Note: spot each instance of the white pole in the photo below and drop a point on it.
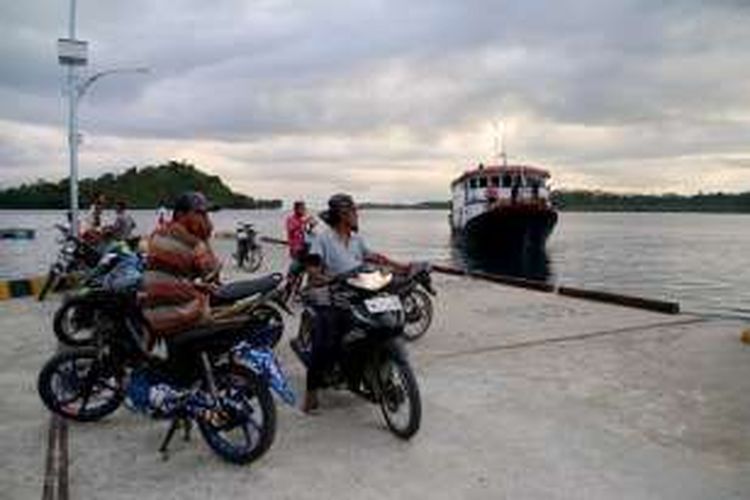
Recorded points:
(73, 126)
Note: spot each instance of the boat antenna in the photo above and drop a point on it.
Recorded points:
(501, 153)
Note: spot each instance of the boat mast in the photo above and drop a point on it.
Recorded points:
(501, 153)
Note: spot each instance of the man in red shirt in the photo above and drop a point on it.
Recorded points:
(298, 225)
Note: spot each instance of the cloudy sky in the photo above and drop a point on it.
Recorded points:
(387, 99)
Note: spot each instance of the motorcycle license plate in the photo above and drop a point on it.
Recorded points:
(383, 304)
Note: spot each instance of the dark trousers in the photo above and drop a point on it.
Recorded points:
(329, 326)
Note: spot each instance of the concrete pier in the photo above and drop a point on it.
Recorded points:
(526, 395)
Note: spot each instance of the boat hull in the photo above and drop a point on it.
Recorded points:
(509, 227)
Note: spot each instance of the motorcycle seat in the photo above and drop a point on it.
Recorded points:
(208, 333)
(233, 292)
(222, 334)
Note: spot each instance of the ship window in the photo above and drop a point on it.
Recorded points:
(483, 182)
(472, 183)
(495, 181)
(507, 181)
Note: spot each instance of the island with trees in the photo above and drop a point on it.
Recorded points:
(145, 187)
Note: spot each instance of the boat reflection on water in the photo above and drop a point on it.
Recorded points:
(520, 261)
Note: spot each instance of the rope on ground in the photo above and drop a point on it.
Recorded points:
(567, 338)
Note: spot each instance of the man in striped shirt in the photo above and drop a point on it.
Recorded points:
(178, 254)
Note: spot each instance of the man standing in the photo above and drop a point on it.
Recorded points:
(299, 227)
(122, 228)
(336, 250)
(94, 217)
(178, 254)
(162, 215)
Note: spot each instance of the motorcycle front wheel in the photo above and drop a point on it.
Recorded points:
(78, 385)
(399, 399)
(243, 428)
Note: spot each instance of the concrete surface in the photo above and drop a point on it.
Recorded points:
(526, 396)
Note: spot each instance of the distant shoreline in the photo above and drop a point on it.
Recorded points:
(599, 201)
(425, 209)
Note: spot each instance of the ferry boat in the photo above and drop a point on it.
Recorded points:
(502, 205)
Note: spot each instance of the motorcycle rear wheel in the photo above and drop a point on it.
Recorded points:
(245, 428)
(253, 259)
(419, 312)
(75, 322)
(76, 384)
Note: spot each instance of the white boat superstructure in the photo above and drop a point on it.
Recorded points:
(513, 189)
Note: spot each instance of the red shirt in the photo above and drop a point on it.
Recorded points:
(295, 234)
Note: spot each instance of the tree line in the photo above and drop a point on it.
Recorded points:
(145, 187)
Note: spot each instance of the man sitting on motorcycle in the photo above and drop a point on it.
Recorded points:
(337, 249)
(179, 253)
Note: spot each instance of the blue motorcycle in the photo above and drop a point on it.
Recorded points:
(219, 377)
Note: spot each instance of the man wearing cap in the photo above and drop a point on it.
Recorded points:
(337, 249)
(179, 253)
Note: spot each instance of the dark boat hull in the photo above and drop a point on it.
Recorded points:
(510, 227)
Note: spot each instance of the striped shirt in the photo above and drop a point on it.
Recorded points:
(175, 258)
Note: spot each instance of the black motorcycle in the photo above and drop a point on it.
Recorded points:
(415, 289)
(85, 311)
(249, 253)
(217, 376)
(372, 361)
(74, 255)
(80, 315)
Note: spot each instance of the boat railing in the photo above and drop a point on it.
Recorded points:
(521, 194)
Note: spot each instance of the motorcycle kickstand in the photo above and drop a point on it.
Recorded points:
(164, 448)
(188, 427)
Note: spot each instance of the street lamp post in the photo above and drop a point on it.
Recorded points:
(74, 53)
(77, 92)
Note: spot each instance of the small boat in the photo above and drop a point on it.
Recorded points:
(16, 233)
(500, 206)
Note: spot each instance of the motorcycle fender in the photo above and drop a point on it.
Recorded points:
(393, 348)
(428, 287)
(263, 362)
(396, 348)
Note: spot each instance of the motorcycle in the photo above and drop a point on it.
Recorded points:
(79, 317)
(372, 361)
(76, 320)
(415, 289)
(219, 376)
(74, 255)
(249, 254)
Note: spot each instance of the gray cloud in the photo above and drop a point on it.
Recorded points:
(269, 90)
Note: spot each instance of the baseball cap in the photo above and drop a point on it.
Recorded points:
(192, 201)
(340, 201)
(336, 203)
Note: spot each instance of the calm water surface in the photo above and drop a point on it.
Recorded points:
(700, 260)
